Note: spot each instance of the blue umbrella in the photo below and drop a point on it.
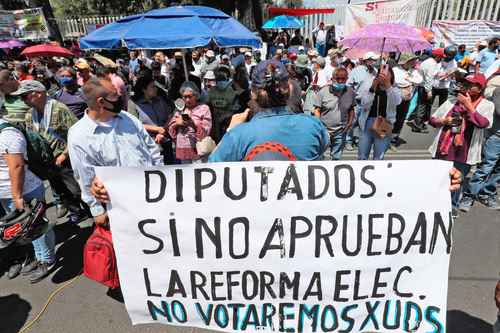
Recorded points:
(283, 22)
(172, 28)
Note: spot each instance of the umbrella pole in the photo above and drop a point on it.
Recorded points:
(184, 64)
(381, 52)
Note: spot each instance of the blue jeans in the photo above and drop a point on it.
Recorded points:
(484, 181)
(337, 143)
(456, 196)
(44, 245)
(367, 140)
(321, 49)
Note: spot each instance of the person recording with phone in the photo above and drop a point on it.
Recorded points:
(189, 125)
(462, 125)
(379, 100)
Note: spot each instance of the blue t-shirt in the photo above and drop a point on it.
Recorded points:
(460, 56)
(303, 135)
(486, 58)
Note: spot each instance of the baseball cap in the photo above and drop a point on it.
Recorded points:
(209, 75)
(248, 54)
(478, 78)
(82, 64)
(29, 86)
(406, 57)
(210, 54)
(178, 54)
(371, 56)
(301, 60)
(261, 74)
(438, 52)
(225, 57)
(483, 43)
(301, 48)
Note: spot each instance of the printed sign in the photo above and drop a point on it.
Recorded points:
(398, 11)
(464, 32)
(284, 246)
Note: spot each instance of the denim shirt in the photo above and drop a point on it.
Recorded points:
(304, 135)
(124, 142)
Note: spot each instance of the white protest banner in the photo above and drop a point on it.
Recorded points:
(284, 246)
(464, 32)
(399, 11)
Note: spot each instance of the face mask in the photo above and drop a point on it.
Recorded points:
(339, 86)
(117, 105)
(65, 81)
(223, 84)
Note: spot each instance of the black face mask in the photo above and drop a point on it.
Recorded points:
(117, 105)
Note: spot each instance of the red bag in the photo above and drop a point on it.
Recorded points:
(99, 260)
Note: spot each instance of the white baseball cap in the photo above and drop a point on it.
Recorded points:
(371, 56)
(210, 54)
(209, 75)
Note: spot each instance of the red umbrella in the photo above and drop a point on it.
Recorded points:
(46, 50)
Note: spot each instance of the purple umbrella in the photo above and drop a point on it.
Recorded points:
(10, 44)
(388, 37)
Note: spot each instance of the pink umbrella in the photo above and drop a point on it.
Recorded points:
(10, 44)
(388, 37)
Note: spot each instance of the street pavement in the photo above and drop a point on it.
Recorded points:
(85, 306)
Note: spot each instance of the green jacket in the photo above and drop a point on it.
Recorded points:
(60, 122)
(14, 109)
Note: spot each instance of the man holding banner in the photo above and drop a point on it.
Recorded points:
(105, 136)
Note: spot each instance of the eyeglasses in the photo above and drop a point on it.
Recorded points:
(187, 96)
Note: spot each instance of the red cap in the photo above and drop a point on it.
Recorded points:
(438, 52)
(292, 56)
(477, 79)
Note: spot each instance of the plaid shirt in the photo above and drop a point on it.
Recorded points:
(60, 122)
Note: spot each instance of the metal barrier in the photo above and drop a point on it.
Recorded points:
(429, 10)
(464, 10)
(77, 27)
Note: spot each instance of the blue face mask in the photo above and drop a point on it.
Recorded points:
(339, 86)
(65, 81)
(223, 84)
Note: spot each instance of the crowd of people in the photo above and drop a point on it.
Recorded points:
(295, 102)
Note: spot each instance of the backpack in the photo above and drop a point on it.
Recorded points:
(40, 154)
(99, 260)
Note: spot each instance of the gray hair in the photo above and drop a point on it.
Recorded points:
(190, 86)
(68, 69)
(94, 89)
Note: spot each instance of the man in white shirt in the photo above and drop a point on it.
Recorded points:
(406, 78)
(443, 79)
(249, 64)
(364, 72)
(332, 61)
(320, 39)
(318, 81)
(429, 70)
(361, 77)
(198, 63)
